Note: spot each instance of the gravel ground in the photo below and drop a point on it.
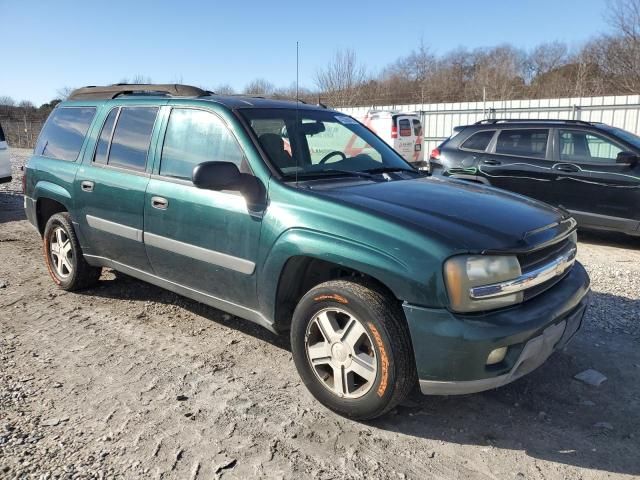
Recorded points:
(129, 381)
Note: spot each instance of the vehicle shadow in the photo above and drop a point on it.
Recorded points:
(11, 208)
(119, 286)
(611, 239)
(542, 415)
(547, 414)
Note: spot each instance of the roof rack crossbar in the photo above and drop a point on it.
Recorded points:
(118, 89)
(493, 121)
(264, 97)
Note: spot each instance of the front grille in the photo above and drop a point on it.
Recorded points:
(529, 293)
(532, 260)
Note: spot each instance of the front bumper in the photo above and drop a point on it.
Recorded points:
(451, 349)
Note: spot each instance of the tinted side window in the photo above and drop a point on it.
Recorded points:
(1, 134)
(479, 141)
(405, 128)
(132, 137)
(64, 132)
(105, 137)
(526, 143)
(582, 146)
(193, 137)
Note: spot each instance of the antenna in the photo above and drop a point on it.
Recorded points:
(297, 99)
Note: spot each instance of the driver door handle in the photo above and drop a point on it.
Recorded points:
(491, 162)
(159, 203)
(566, 167)
(87, 186)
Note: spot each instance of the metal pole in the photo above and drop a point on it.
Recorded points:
(484, 102)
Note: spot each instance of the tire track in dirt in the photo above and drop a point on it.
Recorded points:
(157, 386)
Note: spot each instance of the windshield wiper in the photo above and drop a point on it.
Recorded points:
(389, 170)
(332, 172)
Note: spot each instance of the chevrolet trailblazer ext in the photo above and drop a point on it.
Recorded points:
(383, 277)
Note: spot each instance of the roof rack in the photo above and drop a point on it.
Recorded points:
(261, 97)
(113, 91)
(530, 120)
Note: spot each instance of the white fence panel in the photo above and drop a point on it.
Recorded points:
(439, 119)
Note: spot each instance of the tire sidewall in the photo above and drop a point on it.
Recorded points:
(378, 397)
(58, 220)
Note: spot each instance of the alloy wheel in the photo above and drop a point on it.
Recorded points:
(61, 252)
(341, 353)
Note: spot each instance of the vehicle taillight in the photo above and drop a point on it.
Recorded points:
(394, 131)
(435, 154)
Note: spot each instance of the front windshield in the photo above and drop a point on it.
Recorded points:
(624, 135)
(307, 143)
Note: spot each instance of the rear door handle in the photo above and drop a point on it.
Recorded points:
(491, 162)
(159, 203)
(87, 186)
(567, 167)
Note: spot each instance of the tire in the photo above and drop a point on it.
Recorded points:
(66, 264)
(323, 329)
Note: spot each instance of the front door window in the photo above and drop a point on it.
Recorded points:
(580, 146)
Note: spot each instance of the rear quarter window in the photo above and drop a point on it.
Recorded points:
(478, 141)
(63, 134)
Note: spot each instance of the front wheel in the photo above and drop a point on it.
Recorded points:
(352, 349)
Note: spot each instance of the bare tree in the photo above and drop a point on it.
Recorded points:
(26, 105)
(619, 53)
(546, 57)
(341, 80)
(408, 78)
(624, 17)
(7, 101)
(224, 89)
(259, 86)
(499, 72)
(64, 92)
(137, 79)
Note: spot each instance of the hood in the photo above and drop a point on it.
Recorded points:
(466, 216)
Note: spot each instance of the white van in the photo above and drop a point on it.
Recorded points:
(5, 162)
(402, 131)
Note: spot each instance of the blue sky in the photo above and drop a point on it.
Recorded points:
(47, 45)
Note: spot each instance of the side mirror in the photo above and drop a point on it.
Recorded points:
(629, 158)
(226, 176)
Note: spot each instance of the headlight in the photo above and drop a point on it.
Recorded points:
(467, 271)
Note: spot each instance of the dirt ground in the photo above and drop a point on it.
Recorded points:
(129, 381)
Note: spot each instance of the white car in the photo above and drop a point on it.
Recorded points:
(5, 162)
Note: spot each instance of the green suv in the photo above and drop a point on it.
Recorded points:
(302, 220)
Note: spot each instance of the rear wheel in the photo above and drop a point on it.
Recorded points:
(63, 255)
(352, 349)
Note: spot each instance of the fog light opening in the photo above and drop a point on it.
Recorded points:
(496, 356)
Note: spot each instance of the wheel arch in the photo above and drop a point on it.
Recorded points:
(50, 199)
(45, 208)
(302, 259)
(301, 273)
